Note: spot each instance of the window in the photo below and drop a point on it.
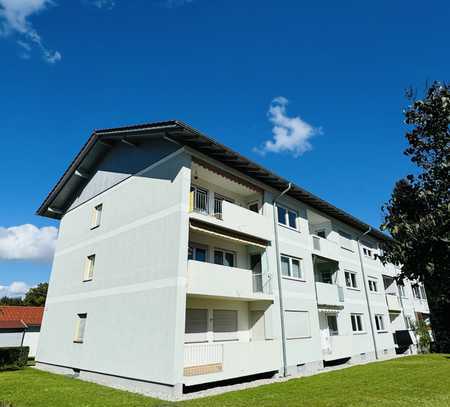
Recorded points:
(290, 267)
(416, 291)
(423, 293)
(196, 326)
(225, 325)
(297, 324)
(89, 268)
(373, 285)
(401, 290)
(350, 279)
(357, 323)
(225, 258)
(379, 322)
(287, 217)
(80, 328)
(367, 252)
(197, 252)
(346, 240)
(332, 325)
(96, 216)
(326, 276)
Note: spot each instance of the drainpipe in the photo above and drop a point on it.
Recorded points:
(280, 290)
(366, 292)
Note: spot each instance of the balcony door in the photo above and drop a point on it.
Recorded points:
(328, 328)
(255, 265)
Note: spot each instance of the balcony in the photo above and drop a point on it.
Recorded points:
(330, 295)
(325, 248)
(229, 215)
(207, 362)
(337, 347)
(393, 303)
(213, 280)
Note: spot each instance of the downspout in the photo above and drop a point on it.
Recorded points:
(280, 290)
(365, 290)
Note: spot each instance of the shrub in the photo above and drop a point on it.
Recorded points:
(5, 404)
(13, 358)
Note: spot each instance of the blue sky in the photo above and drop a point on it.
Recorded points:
(333, 73)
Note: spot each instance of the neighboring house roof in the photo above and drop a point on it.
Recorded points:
(12, 325)
(30, 316)
(61, 196)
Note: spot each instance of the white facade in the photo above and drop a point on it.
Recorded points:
(176, 283)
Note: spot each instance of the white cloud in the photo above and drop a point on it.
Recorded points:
(14, 18)
(27, 242)
(15, 289)
(290, 134)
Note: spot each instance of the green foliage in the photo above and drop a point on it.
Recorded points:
(418, 214)
(36, 296)
(11, 301)
(422, 332)
(13, 357)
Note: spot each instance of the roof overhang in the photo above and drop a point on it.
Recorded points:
(101, 141)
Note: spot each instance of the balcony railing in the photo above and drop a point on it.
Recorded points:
(223, 213)
(330, 294)
(223, 281)
(325, 248)
(204, 362)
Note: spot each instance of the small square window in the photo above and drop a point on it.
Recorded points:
(89, 267)
(80, 328)
(97, 216)
(373, 285)
(291, 267)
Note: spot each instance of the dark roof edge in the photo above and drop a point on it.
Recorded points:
(278, 183)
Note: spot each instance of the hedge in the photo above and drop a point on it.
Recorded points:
(13, 357)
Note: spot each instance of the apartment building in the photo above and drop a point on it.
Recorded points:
(180, 262)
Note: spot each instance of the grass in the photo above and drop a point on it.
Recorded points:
(410, 381)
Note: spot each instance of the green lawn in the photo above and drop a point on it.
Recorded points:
(411, 381)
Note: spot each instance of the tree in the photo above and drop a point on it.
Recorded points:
(36, 296)
(417, 215)
(11, 301)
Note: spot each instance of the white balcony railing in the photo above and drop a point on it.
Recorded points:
(393, 303)
(330, 294)
(222, 281)
(336, 347)
(205, 362)
(229, 215)
(325, 248)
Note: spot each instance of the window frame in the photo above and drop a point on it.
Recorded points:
(80, 330)
(373, 283)
(333, 332)
(224, 253)
(89, 266)
(359, 323)
(379, 323)
(354, 274)
(290, 269)
(194, 246)
(96, 218)
(286, 217)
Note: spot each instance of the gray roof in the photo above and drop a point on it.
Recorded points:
(99, 143)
